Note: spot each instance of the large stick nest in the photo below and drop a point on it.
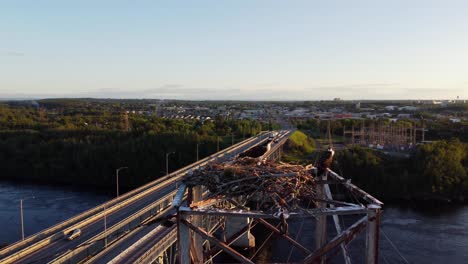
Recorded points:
(280, 183)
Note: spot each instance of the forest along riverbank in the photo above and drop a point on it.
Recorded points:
(43, 207)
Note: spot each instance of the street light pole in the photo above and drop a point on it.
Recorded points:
(105, 227)
(22, 223)
(167, 162)
(117, 177)
(217, 144)
(232, 139)
(22, 217)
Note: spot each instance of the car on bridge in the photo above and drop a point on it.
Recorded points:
(273, 135)
(74, 234)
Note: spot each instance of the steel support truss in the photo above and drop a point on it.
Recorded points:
(198, 243)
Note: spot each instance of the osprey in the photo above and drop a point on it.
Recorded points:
(325, 161)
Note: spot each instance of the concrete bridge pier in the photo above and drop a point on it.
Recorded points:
(275, 153)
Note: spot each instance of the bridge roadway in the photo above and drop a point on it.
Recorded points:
(129, 250)
(47, 245)
(140, 241)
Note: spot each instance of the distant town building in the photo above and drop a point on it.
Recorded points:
(403, 115)
(337, 110)
(298, 112)
(367, 109)
(408, 108)
(343, 116)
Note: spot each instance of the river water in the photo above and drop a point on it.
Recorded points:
(43, 207)
(436, 234)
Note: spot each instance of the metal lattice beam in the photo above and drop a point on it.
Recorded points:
(217, 242)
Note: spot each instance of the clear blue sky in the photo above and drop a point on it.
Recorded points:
(295, 50)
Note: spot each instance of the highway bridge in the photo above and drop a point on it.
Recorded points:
(125, 229)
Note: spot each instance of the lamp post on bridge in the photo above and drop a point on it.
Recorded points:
(21, 215)
(167, 161)
(117, 177)
(105, 227)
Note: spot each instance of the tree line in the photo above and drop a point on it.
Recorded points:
(83, 143)
(435, 171)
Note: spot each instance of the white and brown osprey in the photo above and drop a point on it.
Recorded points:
(325, 161)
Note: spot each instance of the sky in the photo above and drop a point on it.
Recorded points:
(234, 50)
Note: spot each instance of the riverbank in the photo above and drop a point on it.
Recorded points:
(426, 199)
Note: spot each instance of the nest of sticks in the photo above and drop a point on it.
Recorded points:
(247, 181)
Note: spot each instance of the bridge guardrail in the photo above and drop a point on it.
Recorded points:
(97, 243)
(81, 224)
(158, 248)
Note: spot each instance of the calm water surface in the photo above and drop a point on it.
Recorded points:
(423, 235)
(49, 206)
(436, 234)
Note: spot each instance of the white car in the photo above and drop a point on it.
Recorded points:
(74, 234)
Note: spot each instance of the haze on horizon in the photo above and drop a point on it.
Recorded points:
(236, 50)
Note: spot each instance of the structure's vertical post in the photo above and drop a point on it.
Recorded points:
(372, 235)
(196, 247)
(423, 139)
(183, 239)
(363, 135)
(329, 196)
(321, 224)
(382, 137)
(412, 135)
(165, 257)
(377, 133)
(407, 136)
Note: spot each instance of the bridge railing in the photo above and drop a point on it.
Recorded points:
(158, 249)
(100, 241)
